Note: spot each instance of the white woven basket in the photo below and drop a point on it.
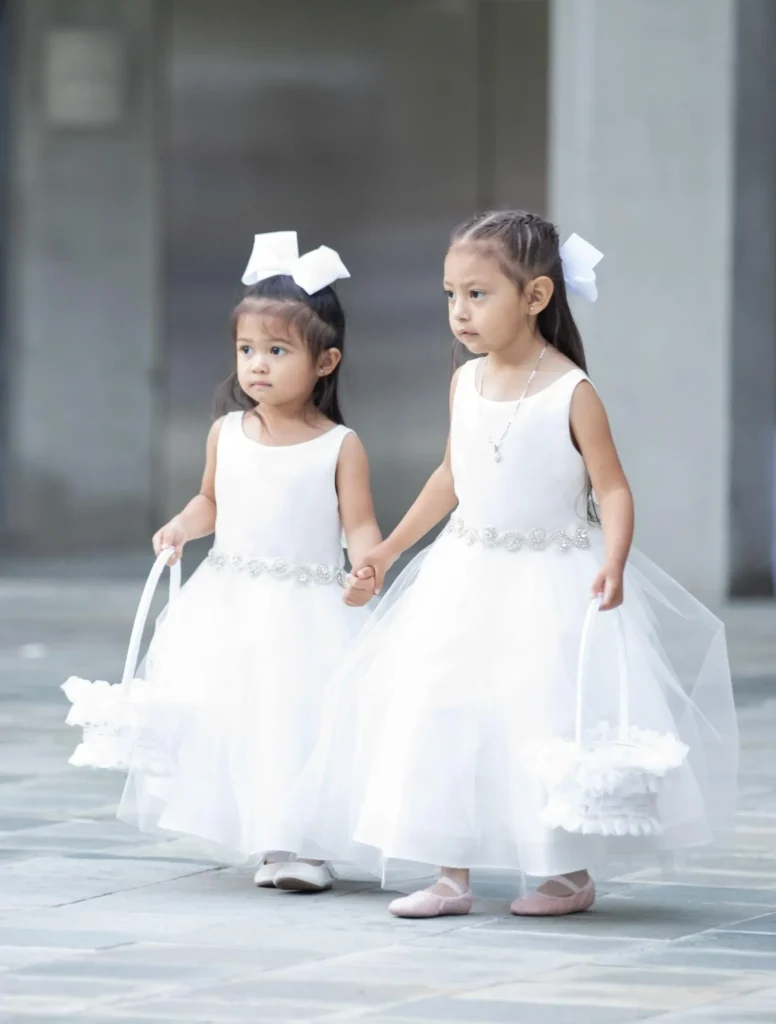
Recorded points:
(607, 780)
(116, 718)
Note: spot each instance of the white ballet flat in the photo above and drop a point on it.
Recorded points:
(303, 877)
(265, 876)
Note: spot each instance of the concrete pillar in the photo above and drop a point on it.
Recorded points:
(753, 337)
(642, 164)
(84, 274)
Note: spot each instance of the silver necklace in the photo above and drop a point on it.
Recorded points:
(496, 445)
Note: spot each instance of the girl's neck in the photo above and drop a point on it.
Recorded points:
(278, 421)
(522, 352)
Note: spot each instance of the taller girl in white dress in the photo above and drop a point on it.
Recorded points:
(251, 641)
(471, 659)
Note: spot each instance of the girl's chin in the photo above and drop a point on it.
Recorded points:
(473, 343)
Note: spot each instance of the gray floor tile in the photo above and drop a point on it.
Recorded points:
(765, 924)
(468, 1011)
(101, 923)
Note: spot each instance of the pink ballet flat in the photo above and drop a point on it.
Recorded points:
(539, 904)
(427, 904)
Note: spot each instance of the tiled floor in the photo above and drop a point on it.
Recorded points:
(98, 923)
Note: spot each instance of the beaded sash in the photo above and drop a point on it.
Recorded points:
(278, 569)
(513, 540)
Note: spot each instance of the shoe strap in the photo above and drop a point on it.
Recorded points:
(457, 888)
(572, 887)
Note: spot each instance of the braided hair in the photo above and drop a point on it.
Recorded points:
(527, 246)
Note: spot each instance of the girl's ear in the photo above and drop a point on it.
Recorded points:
(538, 293)
(328, 361)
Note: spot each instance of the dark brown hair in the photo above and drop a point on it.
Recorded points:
(318, 319)
(527, 246)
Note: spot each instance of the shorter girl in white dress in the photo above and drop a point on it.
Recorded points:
(254, 635)
(469, 665)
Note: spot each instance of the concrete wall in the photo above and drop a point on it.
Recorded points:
(641, 155)
(83, 288)
(661, 117)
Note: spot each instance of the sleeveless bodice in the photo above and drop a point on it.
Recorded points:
(278, 502)
(540, 479)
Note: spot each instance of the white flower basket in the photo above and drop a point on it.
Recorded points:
(607, 780)
(115, 717)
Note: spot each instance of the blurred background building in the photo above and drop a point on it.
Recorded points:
(145, 141)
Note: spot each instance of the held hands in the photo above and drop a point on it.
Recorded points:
(368, 575)
(360, 587)
(379, 560)
(608, 585)
(172, 535)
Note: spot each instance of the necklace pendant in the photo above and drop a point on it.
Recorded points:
(496, 445)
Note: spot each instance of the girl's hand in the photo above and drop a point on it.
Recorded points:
(360, 588)
(608, 585)
(172, 535)
(379, 560)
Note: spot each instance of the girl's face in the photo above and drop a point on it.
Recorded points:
(487, 310)
(274, 366)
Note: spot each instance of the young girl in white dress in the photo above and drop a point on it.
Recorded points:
(256, 632)
(471, 659)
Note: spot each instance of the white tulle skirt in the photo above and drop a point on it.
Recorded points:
(238, 669)
(468, 663)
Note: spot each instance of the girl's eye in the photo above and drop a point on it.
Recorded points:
(448, 294)
(245, 350)
(277, 350)
(476, 293)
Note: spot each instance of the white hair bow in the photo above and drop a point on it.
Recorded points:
(579, 258)
(277, 252)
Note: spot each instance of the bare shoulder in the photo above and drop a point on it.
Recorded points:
(215, 428)
(213, 435)
(587, 414)
(455, 379)
(352, 469)
(352, 449)
(211, 458)
(585, 396)
(555, 362)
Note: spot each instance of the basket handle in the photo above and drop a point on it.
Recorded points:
(141, 616)
(593, 611)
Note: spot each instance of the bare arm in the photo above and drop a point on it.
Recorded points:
(198, 518)
(358, 517)
(590, 427)
(435, 501)
(356, 507)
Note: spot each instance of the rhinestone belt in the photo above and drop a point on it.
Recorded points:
(278, 569)
(513, 540)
